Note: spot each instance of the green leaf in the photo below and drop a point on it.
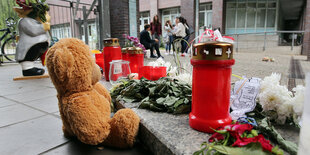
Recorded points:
(250, 149)
(128, 100)
(161, 100)
(267, 129)
(179, 102)
(170, 100)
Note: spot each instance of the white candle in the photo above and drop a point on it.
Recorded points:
(304, 137)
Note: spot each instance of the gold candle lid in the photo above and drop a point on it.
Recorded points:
(110, 42)
(213, 51)
(135, 50)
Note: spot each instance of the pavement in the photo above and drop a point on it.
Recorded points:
(30, 122)
(29, 116)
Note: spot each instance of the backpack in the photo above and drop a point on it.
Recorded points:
(189, 30)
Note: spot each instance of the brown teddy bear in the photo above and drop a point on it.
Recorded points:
(84, 104)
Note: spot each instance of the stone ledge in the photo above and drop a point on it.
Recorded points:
(169, 134)
(166, 133)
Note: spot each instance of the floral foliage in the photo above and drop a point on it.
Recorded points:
(134, 42)
(278, 102)
(238, 135)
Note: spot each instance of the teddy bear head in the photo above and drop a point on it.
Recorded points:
(71, 67)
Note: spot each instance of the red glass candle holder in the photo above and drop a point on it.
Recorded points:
(136, 59)
(153, 73)
(211, 86)
(111, 51)
(100, 60)
(124, 54)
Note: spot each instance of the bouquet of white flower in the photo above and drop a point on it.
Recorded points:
(278, 102)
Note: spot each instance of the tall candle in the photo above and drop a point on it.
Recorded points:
(304, 141)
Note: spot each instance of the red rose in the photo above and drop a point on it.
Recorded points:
(216, 136)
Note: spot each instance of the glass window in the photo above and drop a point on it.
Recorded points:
(230, 18)
(272, 5)
(251, 17)
(261, 5)
(202, 7)
(201, 19)
(209, 7)
(251, 5)
(166, 12)
(260, 21)
(209, 20)
(241, 5)
(241, 18)
(271, 17)
(231, 5)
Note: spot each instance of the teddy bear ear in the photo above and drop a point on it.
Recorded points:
(63, 61)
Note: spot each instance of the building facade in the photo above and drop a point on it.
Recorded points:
(235, 16)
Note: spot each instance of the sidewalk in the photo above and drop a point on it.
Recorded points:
(30, 122)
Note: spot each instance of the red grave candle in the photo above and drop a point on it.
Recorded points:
(211, 86)
(124, 54)
(136, 59)
(111, 51)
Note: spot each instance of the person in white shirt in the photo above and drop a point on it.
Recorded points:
(180, 32)
(168, 37)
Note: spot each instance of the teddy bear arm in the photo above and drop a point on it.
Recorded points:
(124, 129)
(86, 121)
(103, 91)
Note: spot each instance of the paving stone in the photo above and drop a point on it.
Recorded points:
(33, 95)
(48, 104)
(23, 88)
(77, 148)
(5, 102)
(17, 113)
(32, 137)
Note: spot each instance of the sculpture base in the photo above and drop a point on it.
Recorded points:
(207, 125)
(31, 77)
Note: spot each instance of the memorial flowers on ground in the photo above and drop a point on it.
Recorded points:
(278, 102)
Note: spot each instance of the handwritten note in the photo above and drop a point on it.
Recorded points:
(243, 97)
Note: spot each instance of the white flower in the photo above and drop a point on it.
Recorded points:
(185, 77)
(276, 97)
(284, 111)
(172, 72)
(269, 81)
(298, 100)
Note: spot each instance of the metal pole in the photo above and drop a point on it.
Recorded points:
(293, 39)
(72, 21)
(196, 19)
(265, 37)
(104, 21)
(106, 24)
(237, 48)
(85, 25)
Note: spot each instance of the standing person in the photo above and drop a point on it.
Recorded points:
(168, 29)
(156, 29)
(148, 43)
(185, 44)
(180, 31)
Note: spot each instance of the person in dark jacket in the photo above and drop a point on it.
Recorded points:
(156, 29)
(148, 43)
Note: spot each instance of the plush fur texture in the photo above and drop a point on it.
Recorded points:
(84, 104)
